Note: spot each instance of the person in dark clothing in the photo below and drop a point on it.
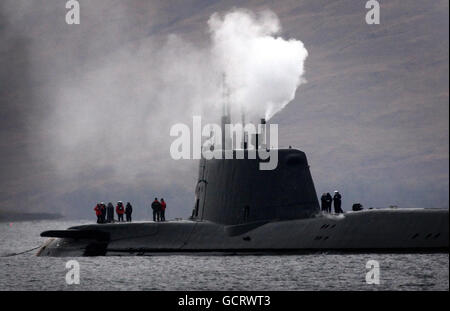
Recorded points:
(120, 210)
(128, 211)
(156, 207)
(103, 211)
(162, 214)
(329, 201)
(110, 213)
(323, 201)
(337, 202)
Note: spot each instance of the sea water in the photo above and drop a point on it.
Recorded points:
(321, 271)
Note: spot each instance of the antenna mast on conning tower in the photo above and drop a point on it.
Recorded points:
(226, 114)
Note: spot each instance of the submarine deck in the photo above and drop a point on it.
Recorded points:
(376, 230)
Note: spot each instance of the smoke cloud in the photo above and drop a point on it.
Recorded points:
(262, 71)
(118, 115)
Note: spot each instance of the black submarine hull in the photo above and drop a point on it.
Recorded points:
(378, 230)
(240, 208)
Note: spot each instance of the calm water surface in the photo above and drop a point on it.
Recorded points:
(274, 272)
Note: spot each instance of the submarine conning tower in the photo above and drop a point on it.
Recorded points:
(236, 191)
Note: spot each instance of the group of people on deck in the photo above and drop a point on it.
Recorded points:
(105, 213)
(327, 200)
(159, 210)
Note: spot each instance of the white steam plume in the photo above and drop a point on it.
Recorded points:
(118, 114)
(262, 71)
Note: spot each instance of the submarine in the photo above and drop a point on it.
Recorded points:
(240, 209)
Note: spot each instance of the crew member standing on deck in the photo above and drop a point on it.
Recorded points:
(98, 212)
(323, 201)
(110, 213)
(337, 202)
(128, 211)
(120, 211)
(103, 210)
(329, 201)
(156, 207)
(163, 210)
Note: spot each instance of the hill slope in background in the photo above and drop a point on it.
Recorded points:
(372, 117)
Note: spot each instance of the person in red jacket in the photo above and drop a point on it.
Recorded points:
(163, 210)
(98, 212)
(120, 210)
